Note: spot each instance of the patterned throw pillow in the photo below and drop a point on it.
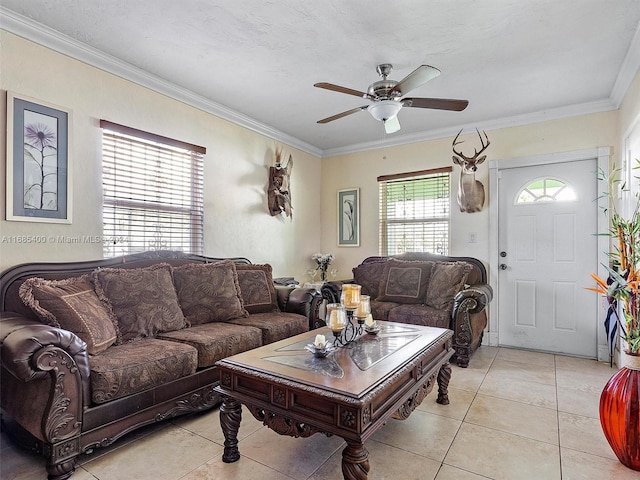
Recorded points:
(368, 275)
(209, 292)
(404, 281)
(71, 304)
(256, 287)
(447, 279)
(143, 300)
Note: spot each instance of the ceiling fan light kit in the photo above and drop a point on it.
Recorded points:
(384, 109)
(385, 95)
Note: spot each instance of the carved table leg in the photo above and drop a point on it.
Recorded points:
(355, 461)
(444, 375)
(230, 416)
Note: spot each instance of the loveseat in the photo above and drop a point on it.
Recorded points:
(426, 289)
(93, 350)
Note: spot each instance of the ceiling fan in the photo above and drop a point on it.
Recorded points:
(386, 96)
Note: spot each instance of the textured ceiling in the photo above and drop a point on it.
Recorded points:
(512, 59)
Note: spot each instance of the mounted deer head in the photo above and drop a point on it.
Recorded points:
(470, 191)
(279, 194)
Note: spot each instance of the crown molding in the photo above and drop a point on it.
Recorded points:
(49, 38)
(518, 120)
(628, 70)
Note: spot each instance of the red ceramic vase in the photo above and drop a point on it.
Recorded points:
(620, 412)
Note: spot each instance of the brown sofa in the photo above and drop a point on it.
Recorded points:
(93, 350)
(426, 289)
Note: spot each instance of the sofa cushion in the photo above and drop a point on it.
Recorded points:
(71, 304)
(209, 292)
(257, 289)
(217, 340)
(122, 370)
(447, 279)
(368, 275)
(380, 310)
(143, 300)
(420, 315)
(276, 325)
(404, 281)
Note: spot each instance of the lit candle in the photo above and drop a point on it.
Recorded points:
(333, 319)
(336, 318)
(351, 295)
(364, 307)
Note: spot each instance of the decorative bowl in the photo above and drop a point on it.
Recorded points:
(320, 352)
(372, 330)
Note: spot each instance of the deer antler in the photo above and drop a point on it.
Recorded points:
(476, 153)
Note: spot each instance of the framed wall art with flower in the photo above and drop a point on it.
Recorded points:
(349, 217)
(38, 161)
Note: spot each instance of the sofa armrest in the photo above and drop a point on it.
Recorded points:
(32, 351)
(475, 297)
(303, 301)
(469, 319)
(331, 291)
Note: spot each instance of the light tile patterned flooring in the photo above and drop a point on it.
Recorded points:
(513, 415)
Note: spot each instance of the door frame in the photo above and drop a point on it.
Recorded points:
(603, 157)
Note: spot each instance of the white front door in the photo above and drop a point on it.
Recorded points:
(547, 249)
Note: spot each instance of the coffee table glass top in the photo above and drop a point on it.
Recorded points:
(351, 370)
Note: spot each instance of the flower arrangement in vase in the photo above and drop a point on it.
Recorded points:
(620, 398)
(323, 260)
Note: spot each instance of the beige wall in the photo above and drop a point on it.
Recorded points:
(236, 218)
(237, 222)
(362, 169)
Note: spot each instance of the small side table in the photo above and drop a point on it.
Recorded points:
(316, 285)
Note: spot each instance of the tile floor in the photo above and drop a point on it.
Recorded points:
(513, 415)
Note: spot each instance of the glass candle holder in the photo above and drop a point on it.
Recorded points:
(350, 296)
(364, 308)
(336, 317)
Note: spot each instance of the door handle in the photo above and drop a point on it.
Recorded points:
(503, 266)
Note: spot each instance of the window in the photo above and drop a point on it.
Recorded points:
(152, 192)
(545, 190)
(414, 212)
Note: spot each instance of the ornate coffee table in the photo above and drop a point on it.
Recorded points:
(351, 393)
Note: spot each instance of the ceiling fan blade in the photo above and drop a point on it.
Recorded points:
(392, 125)
(436, 103)
(338, 88)
(419, 76)
(343, 114)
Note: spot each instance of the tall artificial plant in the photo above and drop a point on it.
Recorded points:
(622, 289)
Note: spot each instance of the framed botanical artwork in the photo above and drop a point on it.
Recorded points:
(349, 217)
(38, 161)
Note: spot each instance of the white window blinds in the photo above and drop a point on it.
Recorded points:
(414, 212)
(152, 192)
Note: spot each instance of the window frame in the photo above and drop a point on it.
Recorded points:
(384, 222)
(188, 203)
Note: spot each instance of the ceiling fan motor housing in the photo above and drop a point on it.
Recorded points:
(380, 90)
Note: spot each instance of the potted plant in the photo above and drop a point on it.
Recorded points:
(620, 399)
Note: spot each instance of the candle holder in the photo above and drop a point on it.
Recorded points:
(350, 301)
(340, 321)
(336, 320)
